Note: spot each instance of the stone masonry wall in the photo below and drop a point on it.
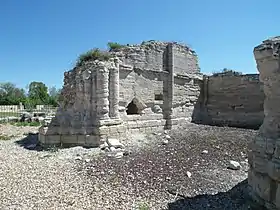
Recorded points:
(264, 151)
(143, 85)
(152, 55)
(186, 94)
(231, 100)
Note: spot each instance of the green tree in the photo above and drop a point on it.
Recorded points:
(37, 93)
(10, 94)
(53, 96)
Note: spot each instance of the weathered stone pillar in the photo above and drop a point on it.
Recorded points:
(264, 152)
(87, 78)
(102, 92)
(114, 90)
(78, 107)
(168, 87)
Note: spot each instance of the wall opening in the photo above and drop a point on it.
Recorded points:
(159, 97)
(135, 107)
(132, 108)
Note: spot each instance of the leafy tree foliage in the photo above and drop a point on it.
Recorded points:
(10, 94)
(38, 93)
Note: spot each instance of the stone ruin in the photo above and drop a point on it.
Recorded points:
(264, 152)
(154, 86)
(147, 88)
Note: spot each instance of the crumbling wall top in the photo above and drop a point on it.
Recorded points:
(154, 45)
(268, 48)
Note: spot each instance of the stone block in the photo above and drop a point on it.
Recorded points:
(175, 121)
(132, 124)
(52, 139)
(121, 129)
(142, 129)
(69, 139)
(92, 141)
(259, 162)
(42, 138)
(277, 202)
(258, 145)
(104, 130)
(113, 129)
(81, 139)
(260, 184)
(274, 169)
(148, 130)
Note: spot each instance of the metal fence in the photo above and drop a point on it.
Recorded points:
(15, 111)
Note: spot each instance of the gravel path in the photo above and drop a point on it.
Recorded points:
(153, 176)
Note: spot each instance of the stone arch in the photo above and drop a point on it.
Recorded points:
(136, 106)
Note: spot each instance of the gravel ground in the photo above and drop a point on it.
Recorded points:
(152, 176)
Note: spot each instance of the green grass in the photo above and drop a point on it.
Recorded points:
(143, 206)
(9, 114)
(115, 46)
(94, 54)
(26, 124)
(5, 137)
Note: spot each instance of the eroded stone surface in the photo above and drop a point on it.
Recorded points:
(264, 157)
(142, 88)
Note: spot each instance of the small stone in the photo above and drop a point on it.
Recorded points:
(205, 152)
(45, 155)
(115, 143)
(189, 174)
(112, 149)
(104, 146)
(165, 132)
(234, 165)
(107, 149)
(87, 160)
(31, 146)
(167, 137)
(78, 158)
(126, 153)
(165, 141)
(119, 155)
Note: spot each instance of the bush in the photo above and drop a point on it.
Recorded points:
(23, 124)
(94, 54)
(5, 137)
(227, 72)
(115, 46)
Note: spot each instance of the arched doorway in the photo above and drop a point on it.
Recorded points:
(135, 107)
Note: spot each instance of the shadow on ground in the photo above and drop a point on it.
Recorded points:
(30, 142)
(236, 198)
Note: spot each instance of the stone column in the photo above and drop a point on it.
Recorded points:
(264, 151)
(87, 78)
(102, 92)
(114, 91)
(168, 87)
(78, 107)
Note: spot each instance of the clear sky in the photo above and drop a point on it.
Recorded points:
(39, 40)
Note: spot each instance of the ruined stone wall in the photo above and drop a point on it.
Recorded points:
(231, 100)
(141, 84)
(186, 93)
(264, 151)
(165, 77)
(185, 61)
(153, 55)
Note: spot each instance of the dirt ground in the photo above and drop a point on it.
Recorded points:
(190, 171)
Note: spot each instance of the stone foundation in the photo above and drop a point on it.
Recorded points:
(264, 154)
(119, 131)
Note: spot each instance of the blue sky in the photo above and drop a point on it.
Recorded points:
(39, 40)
